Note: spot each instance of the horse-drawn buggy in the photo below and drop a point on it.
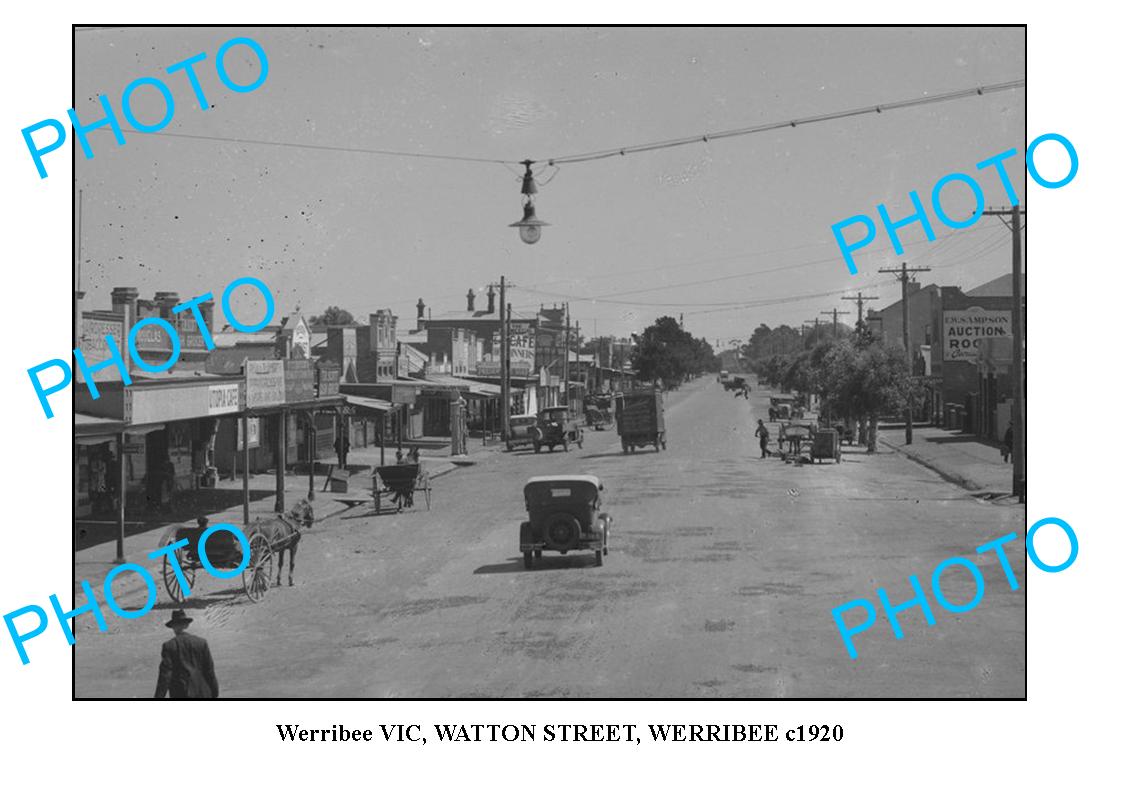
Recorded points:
(398, 483)
(267, 537)
(794, 434)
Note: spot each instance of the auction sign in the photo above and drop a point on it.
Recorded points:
(965, 329)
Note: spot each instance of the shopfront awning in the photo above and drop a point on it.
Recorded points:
(372, 404)
(93, 430)
(474, 389)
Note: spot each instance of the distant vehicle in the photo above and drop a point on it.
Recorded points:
(735, 383)
(782, 407)
(519, 431)
(598, 410)
(564, 515)
(555, 427)
(639, 420)
(723, 376)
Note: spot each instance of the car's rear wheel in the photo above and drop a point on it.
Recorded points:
(537, 447)
(600, 558)
(528, 559)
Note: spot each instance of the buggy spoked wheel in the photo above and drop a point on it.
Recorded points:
(171, 582)
(258, 574)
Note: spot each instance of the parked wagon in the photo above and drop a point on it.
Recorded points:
(398, 483)
(826, 445)
(794, 434)
(267, 537)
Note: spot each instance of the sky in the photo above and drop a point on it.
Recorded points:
(700, 230)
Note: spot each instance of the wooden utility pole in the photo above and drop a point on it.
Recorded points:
(1016, 375)
(861, 300)
(903, 273)
(577, 344)
(279, 499)
(245, 469)
(834, 314)
(504, 364)
(565, 360)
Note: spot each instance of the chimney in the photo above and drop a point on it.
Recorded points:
(471, 300)
(165, 300)
(420, 312)
(491, 299)
(206, 309)
(123, 300)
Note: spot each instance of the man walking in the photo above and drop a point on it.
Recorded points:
(342, 445)
(1008, 443)
(186, 667)
(762, 432)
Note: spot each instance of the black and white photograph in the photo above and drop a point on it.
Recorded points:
(550, 363)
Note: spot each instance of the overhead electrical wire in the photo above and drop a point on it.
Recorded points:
(761, 128)
(624, 150)
(326, 147)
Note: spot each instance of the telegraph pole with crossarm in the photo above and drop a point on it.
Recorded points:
(861, 300)
(903, 273)
(1016, 360)
(834, 314)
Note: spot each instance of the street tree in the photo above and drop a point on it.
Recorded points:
(332, 316)
(667, 352)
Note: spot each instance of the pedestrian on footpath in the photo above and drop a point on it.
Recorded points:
(186, 667)
(762, 432)
(342, 446)
(1008, 443)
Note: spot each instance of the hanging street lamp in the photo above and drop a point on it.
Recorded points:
(530, 227)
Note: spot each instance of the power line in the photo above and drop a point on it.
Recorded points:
(326, 147)
(606, 153)
(788, 299)
(707, 137)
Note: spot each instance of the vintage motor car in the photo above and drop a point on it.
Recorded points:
(565, 514)
(782, 407)
(556, 427)
(519, 431)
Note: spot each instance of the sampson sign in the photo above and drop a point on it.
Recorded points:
(964, 330)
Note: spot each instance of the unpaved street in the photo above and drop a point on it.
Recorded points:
(722, 573)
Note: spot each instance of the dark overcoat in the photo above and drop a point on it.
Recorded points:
(186, 669)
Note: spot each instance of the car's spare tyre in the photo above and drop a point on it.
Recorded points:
(536, 433)
(562, 530)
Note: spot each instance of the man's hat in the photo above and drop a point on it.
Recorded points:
(179, 617)
(202, 519)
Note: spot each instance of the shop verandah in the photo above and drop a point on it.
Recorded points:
(159, 460)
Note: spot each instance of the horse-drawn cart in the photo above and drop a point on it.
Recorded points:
(826, 445)
(399, 482)
(267, 537)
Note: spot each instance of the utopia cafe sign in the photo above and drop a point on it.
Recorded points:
(965, 330)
